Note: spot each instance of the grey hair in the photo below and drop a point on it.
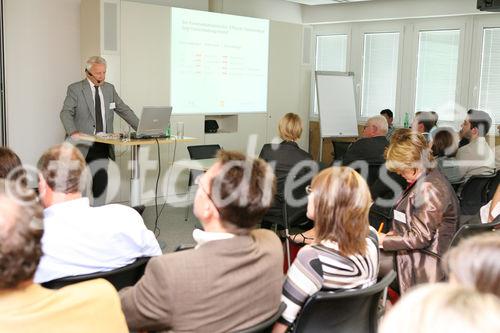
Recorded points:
(380, 123)
(94, 60)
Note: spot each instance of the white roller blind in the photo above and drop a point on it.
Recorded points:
(437, 72)
(489, 91)
(331, 55)
(380, 72)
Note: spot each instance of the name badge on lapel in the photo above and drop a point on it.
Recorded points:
(112, 106)
(399, 216)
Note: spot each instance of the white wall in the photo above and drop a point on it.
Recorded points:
(386, 9)
(42, 56)
(276, 10)
(190, 4)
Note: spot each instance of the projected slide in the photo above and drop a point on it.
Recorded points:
(219, 63)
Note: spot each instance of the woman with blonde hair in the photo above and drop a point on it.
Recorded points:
(474, 263)
(283, 157)
(344, 254)
(425, 215)
(443, 308)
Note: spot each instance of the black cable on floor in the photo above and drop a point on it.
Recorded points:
(156, 228)
(168, 179)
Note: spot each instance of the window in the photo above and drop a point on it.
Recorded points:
(331, 55)
(3, 122)
(437, 71)
(380, 72)
(489, 89)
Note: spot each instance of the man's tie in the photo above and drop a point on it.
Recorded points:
(98, 114)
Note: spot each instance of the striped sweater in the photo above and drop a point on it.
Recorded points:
(321, 266)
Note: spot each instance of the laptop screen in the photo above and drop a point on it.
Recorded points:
(154, 121)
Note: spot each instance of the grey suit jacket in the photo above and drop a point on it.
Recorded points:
(222, 286)
(78, 112)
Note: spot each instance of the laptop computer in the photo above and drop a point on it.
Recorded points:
(154, 122)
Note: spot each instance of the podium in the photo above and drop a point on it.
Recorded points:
(135, 144)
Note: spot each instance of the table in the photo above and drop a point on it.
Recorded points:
(135, 184)
(201, 165)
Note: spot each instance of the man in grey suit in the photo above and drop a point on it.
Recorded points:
(89, 108)
(232, 279)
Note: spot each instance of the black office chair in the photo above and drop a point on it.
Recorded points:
(267, 325)
(473, 194)
(492, 186)
(199, 152)
(140, 209)
(339, 149)
(347, 311)
(468, 230)
(120, 278)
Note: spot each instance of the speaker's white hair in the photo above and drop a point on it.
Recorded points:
(94, 60)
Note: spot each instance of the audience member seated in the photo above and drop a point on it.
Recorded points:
(443, 308)
(80, 239)
(476, 158)
(344, 255)
(11, 167)
(424, 123)
(383, 186)
(370, 147)
(425, 216)
(390, 118)
(26, 307)
(497, 153)
(444, 148)
(283, 157)
(232, 279)
(491, 211)
(474, 263)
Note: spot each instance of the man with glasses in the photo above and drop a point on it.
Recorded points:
(232, 279)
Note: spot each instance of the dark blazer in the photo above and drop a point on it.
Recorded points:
(430, 208)
(221, 286)
(384, 186)
(283, 157)
(78, 112)
(370, 150)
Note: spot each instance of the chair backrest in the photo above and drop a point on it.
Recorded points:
(267, 324)
(119, 278)
(468, 230)
(201, 152)
(339, 149)
(348, 311)
(286, 197)
(492, 186)
(474, 194)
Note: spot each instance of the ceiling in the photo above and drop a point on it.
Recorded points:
(324, 2)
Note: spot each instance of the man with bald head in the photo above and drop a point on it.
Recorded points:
(370, 147)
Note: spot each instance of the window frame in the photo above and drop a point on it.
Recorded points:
(326, 30)
(453, 23)
(480, 23)
(395, 26)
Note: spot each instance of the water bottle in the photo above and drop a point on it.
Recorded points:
(406, 121)
(167, 131)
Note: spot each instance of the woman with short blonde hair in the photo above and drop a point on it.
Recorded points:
(290, 127)
(425, 215)
(284, 157)
(344, 254)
